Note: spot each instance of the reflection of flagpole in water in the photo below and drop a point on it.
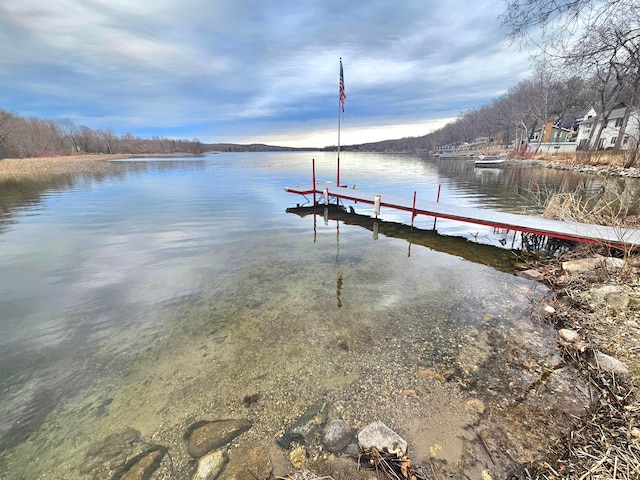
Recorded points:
(315, 223)
(413, 216)
(338, 242)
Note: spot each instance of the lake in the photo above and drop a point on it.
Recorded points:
(174, 289)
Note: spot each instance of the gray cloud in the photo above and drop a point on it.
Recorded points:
(246, 68)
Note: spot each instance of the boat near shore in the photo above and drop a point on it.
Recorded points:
(455, 155)
(491, 161)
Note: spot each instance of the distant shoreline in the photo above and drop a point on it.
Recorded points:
(15, 168)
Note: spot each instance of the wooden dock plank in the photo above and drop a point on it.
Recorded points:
(582, 232)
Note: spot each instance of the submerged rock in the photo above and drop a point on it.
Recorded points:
(210, 465)
(204, 437)
(306, 426)
(336, 435)
(474, 405)
(378, 435)
(110, 453)
(426, 373)
(251, 462)
(143, 466)
(562, 392)
(298, 457)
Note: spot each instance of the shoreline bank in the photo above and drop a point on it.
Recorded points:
(15, 168)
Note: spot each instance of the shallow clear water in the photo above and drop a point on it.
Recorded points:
(169, 291)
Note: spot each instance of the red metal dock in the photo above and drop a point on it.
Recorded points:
(581, 232)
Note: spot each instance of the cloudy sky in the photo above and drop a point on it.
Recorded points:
(254, 70)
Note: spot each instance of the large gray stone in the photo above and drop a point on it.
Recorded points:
(613, 295)
(590, 264)
(610, 364)
(378, 435)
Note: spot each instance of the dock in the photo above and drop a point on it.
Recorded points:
(616, 237)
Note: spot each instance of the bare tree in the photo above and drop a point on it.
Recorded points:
(109, 139)
(598, 38)
(5, 132)
(70, 132)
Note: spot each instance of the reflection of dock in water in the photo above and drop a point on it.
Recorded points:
(495, 257)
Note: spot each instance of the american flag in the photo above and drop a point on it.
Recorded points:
(343, 96)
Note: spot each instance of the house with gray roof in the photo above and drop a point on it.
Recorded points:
(614, 131)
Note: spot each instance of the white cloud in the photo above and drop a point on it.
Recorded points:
(349, 135)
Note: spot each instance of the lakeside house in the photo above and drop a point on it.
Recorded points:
(618, 132)
(554, 137)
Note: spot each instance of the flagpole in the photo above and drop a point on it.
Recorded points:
(340, 89)
(341, 99)
(338, 175)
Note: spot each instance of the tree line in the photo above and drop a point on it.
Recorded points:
(35, 137)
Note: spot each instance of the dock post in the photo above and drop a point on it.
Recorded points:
(435, 219)
(376, 205)
(313, 179)
(413, 210)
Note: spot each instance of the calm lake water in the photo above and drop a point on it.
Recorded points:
(167, 292)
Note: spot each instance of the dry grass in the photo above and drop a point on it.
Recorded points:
(16, 168)
(596, 158)
(12, 168)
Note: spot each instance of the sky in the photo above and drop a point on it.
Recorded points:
(255, 71)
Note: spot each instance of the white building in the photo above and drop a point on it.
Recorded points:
(611, 132)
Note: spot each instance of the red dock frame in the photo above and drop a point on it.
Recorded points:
(624, 238)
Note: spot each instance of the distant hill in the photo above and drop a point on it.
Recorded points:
(253, 147)
(401, 145)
